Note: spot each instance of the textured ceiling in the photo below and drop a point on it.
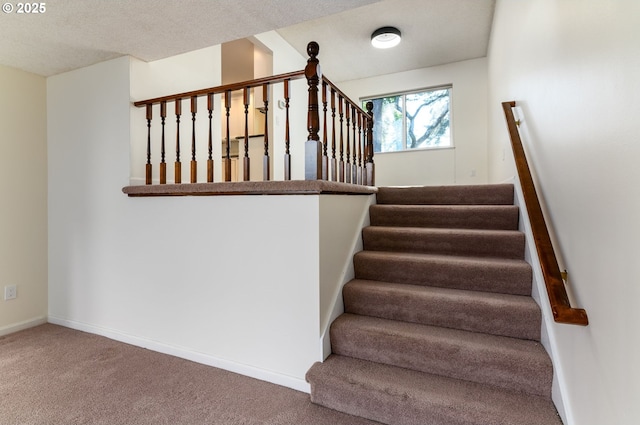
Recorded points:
(72, 34)
(76, 33)
(434, 32)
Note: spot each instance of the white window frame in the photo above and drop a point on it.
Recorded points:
(449, 87)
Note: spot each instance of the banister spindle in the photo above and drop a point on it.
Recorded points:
(227, 159)
(333, 135)
(246, 171)
(347, 166)
(194, 163)
(287, 154)
(354, 166)
(325, 158)
(319, 163)
(359, 147)
(341, 164)
(163, 164)
(178, 164)
(370, 166)
(210, 160)
(266, 168)
(313, 146)
(148, 176)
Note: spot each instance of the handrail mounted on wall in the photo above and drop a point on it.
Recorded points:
(558, 298)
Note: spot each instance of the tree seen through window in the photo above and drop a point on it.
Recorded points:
(412, 120)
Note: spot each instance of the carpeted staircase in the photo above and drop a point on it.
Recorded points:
(439, 326)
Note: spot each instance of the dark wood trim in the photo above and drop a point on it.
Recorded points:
(558, 298)
(292, 187)
(341, 93)
(227, 87)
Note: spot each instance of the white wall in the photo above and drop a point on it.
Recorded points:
(182, 275)
(23, 188)
(173, 271)
(342, 219)
(573, 68)
(467, 162)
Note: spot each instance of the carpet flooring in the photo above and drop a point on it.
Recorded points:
(439, 325)
(52, 375)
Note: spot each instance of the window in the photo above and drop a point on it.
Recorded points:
(412, 120)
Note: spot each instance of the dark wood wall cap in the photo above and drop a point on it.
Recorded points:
(292, 187)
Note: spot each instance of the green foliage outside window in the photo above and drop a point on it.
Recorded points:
(412, 120)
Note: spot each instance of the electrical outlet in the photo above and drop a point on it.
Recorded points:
(10, 292)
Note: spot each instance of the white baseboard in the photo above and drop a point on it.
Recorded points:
(184, 353)
(20, 326)
(548, 337)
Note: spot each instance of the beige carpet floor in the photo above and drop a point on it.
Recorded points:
(53, 375)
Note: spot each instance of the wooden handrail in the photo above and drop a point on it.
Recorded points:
(558, 298)
(224, 88)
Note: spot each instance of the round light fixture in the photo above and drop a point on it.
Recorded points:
(385, 37)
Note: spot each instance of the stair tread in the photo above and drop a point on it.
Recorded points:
(477, 242)
(491, 194)
(470, 259)
(490, 274)
(446, 216)
(405, 397)
(426, 231)
(499, 314)
(508, 362)
(439, 325)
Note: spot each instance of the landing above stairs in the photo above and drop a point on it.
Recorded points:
(273, 187)
(439, 325)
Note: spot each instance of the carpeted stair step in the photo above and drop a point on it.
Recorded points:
(489, 217)
(439, 325)
(399, 396)
(510, 363)
(514, 316)
(498, 194)
(471, 273)
(465, 242)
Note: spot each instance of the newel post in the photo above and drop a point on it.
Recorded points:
(313, 145)
(370, 167)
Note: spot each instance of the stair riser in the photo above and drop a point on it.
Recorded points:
(447, 195)
(508, 279)
(397, 303)
(472, 244)
(458, 217)
(376, 406)
(439, 325)
(435, 353)
(403, 397)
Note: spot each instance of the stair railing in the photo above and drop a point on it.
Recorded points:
(553, 277)
(361, 146)
(358, 168)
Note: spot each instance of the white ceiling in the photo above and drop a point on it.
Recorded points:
(72, 34)
(434, 32)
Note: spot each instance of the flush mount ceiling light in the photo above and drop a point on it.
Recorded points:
(385, 37)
